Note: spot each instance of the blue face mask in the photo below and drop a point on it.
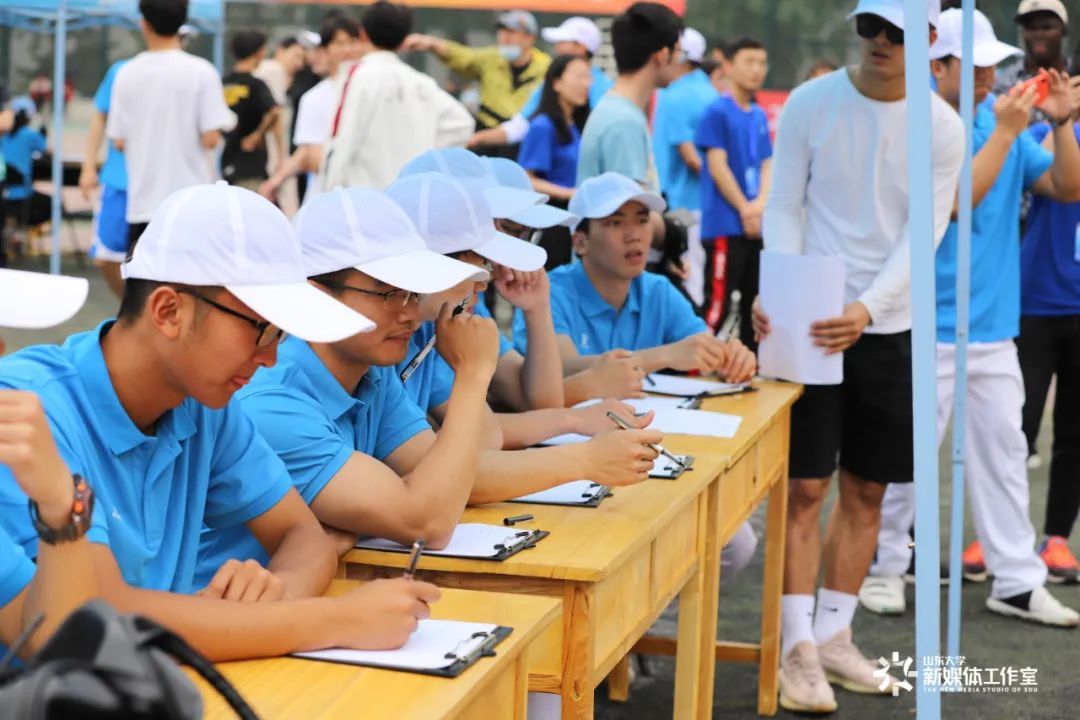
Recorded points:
(510, 52)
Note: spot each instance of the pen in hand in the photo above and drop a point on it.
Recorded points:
(423, 353)
(414, 558)
(627, 426)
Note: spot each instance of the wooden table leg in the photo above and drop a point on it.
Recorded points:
(771, 595)
(693, 655)
(710, 600)
(618, 681)
(579, 627)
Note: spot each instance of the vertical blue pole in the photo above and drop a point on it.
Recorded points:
(219, 49)
(59, 75)
(963, 302)
(923, 350)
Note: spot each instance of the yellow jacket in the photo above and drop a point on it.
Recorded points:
(500, 97)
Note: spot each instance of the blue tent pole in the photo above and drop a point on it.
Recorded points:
(219, 43)
(963, 303)
(59, 74)
(923, 352)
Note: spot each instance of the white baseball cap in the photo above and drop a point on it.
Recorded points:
(575, 29)
(1051, 6)
(225, 236)
(601, 196)
(453, 217)
(510, 174)
(364, 229)
(693, 45)
(470, 170)
(35, 300)
(893, 10)
(987, 50)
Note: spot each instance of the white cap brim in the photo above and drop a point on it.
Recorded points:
(302, 310)
(34, 300)
(892, 14)
(990, 54)
(557, 34)
(652, 201)
(506, 202)
(423, 271)
(543, 217)
(513, 253)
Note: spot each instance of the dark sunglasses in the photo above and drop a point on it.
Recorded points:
(870, 26)
(269, 334)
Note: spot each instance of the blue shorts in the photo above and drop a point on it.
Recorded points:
(110, 223)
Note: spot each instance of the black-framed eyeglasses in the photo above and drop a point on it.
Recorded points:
(467, 256)
(396, 299)
(869, 26)
(269, 334)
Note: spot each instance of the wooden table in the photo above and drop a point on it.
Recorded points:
(288, 688)
(614, 567)
(756, 462)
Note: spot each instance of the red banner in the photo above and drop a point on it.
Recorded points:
(772, 101)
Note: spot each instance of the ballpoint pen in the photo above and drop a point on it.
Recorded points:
(419, 357)
(414, 559)
(627, 426)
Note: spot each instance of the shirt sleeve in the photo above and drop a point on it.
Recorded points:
(766, 142)
(1035, 158)
(782, 223)
(533, 103)
(38, 144)
(117, 124)
(214, 114)
(681, 123)
(624, 148)
(301, 435)
(538, 148)
(401, 419)
(680, 320)
(311, 126)
(1039, 131)
(267, 101)
(465, 60)
(104, 92)
(455, 123)
(712, 131)
(246, 477)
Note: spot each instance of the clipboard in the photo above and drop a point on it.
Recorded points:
(692, 388)
(579, 493)
(664, 469)
(470, 541)
(460, 657)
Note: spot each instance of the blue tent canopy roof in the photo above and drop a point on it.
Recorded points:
(41, 15)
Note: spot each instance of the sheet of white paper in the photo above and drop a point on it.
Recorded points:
(468, 540)
(797, 291)
(426, 649)
(577, 492)
(679, 386)
(672, 420)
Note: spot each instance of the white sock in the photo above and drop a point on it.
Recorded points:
(834, 613)
(797, 621)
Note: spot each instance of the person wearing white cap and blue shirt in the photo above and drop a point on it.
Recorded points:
(454, 220)
(608, 301)
(577, 37)
(62, 578)
(1007, 162)
(839, 188)
(142, 408)
(359, 451)
(679, 108)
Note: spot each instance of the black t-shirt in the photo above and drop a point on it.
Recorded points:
(250, 99)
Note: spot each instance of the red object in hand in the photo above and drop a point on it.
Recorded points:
(1042, 87)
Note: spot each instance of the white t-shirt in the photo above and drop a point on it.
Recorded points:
(161, 103)
(314, 121)
(840, 188)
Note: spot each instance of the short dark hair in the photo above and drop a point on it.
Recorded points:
(137, 292)
(743, 43)
(332, 279)
(709, 66)
(335, 23)
(387, 24)
(246, 43)
(164, 16)
(287, 43)
(642, 30)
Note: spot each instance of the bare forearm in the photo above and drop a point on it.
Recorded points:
(543, 369)
(690, 156)
(93, 140)
(656, 358)
(1065, 171)
(507, 475)
(304, 561)
(64, 581)
(727, 185)
(579, 387)
(522, 430)
(987, 163)
(547, 187)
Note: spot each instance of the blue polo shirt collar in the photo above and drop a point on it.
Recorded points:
(592, 304)
(122, 435)
(329, 393)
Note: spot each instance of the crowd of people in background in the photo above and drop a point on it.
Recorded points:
(621, 219)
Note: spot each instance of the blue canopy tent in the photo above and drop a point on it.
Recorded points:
(60, 16)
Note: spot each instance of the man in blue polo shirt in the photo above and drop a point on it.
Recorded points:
(608, 301)
(63, 577)
(358, 450)
(141, 408)
(1008, 161)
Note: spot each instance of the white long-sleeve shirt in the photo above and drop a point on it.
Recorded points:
(389, 114)
(840, 188)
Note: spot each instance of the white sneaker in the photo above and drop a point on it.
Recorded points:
(1042, 608)
(803, 687)
(847, 667)
(883, 595)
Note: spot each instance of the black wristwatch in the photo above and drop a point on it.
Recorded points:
(1055, 124)
(82, 508)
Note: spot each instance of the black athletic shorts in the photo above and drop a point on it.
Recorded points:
(863, 425)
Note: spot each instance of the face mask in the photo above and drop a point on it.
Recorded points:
(510, 52)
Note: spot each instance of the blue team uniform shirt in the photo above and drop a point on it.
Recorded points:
(18, 149)
(679, 108)
(995, 244)
(543, 153)
(744, 136)
(113, 172)
(154, 492)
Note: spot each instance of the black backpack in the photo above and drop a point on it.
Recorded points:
(100, 665)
